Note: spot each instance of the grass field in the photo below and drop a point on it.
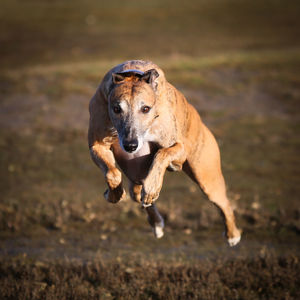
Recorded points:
(237, 62)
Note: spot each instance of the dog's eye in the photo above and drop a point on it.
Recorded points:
(117, 109)
(145, 109)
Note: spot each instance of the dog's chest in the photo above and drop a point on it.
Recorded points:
(135, 166)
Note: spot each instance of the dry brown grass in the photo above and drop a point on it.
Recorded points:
(267, 277)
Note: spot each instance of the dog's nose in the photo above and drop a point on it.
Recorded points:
(130, 146)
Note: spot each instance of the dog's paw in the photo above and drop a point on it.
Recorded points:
(158, 230)
(116, 195)
(234, 241)
(149, 195)
(151, 189)
(148, 199)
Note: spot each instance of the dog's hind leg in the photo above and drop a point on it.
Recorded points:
(216, 192)
(205, 168)
(154, 218)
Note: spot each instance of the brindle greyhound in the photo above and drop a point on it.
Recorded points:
(145, 125)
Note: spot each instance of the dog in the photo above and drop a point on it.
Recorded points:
(143, 124)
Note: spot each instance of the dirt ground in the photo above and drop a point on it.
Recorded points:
(59, 238)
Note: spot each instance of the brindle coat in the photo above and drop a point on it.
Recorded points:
(145, 125)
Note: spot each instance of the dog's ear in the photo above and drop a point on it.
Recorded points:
(118, 77)
(150, 76)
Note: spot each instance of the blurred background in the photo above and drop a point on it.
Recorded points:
(237, 62)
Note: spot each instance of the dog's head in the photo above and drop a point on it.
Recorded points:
(132, 106)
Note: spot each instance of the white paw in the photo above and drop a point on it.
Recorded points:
(158, 230)
(234, 241)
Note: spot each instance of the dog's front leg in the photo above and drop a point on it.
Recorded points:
(172, 157)
(104, 158)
